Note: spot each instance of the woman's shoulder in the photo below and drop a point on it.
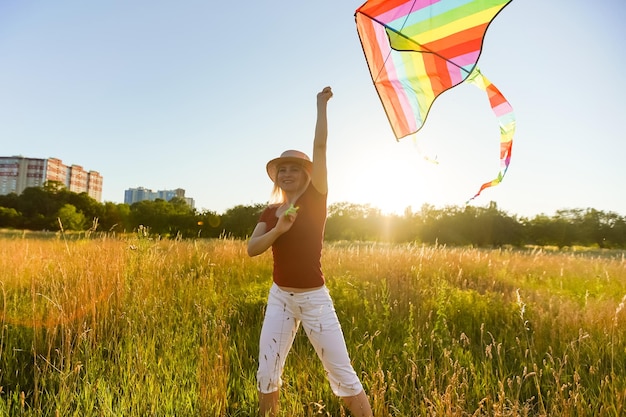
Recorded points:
(313, 193)
(270, 210)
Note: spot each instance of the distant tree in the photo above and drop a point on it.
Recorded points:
(168, 218)
(614, 227)
(209, 224)
(9, 217)
(469, 225)
(39, 208)
(115, 217)
(70, 218)
(493, 227)
(152, 214)
(349, 221)
(446, 226)
(240, 220)
(85, 204)
(597, 228)
(53, 187)
(406, 228)
(182, 220)
(10, 200)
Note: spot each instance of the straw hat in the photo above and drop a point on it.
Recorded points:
(288, 156)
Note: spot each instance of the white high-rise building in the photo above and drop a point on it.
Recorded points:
(134, 195)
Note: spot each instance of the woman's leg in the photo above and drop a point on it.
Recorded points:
(358, 405)
(277, 335)
(322, 327)
(268, 404)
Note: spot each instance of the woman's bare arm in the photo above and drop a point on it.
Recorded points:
(319, 174)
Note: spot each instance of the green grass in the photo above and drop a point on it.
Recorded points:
(137, 327)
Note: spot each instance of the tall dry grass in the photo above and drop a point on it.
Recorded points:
(137, 327)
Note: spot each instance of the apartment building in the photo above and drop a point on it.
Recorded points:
(18, 173)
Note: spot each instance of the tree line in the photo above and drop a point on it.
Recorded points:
(53, 208)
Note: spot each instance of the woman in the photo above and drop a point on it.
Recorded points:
(294, 227)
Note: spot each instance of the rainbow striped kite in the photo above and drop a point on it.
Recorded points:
(417, 49)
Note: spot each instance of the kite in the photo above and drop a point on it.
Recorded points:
(417, 49)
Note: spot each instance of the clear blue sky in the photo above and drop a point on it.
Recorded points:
(200, 94)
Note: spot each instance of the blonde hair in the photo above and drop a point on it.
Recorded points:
(278, 195)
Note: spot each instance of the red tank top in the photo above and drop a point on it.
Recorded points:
(297, 253)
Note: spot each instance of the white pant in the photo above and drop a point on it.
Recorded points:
(314, 309)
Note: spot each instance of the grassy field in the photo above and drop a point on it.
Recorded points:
(137, 327)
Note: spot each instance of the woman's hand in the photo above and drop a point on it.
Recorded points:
(324, 95)
(286, 219)
(262, 239)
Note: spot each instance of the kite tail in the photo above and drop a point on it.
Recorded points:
(427, 158)
(506, 119)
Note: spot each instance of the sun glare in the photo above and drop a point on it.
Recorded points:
(391, 178)
(394, 177)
